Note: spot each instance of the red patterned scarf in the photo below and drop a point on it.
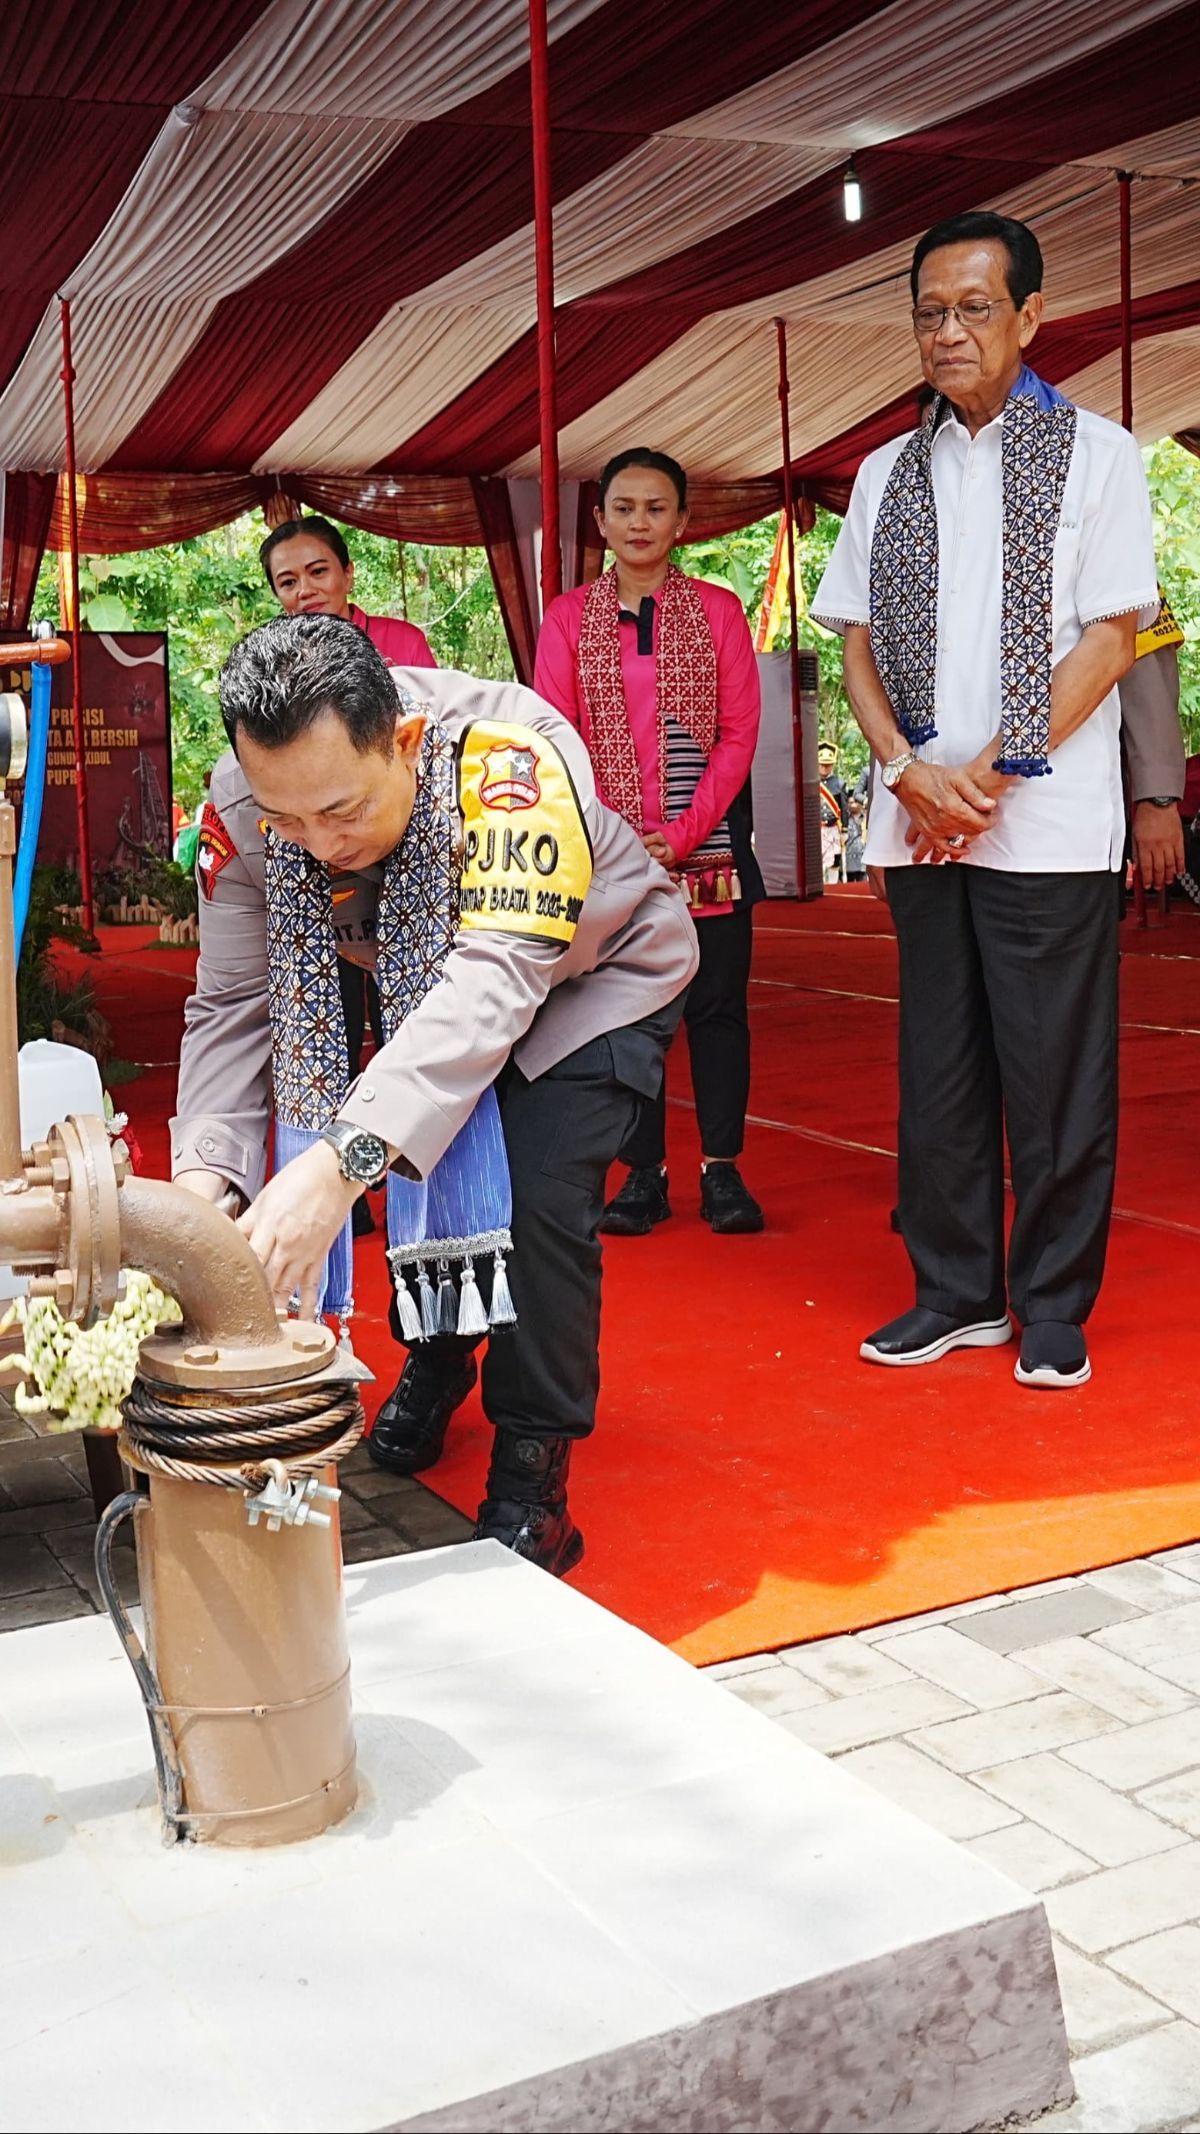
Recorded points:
(686, 687)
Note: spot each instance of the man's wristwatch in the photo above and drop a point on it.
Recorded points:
(1161, 800)
(362, 1157)
(893, 771)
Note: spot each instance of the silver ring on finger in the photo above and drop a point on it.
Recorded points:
(956, 841)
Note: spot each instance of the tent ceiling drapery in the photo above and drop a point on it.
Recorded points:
(297, 238)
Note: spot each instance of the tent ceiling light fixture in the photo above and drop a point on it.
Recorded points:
(852, 200)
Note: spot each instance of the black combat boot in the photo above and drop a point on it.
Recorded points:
(526, 1503)
(410, 1428)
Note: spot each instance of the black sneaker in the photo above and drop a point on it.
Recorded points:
(726, 1202)
(410, 1428)
(1053, 1354)
(641, 1202)
(922, 1336)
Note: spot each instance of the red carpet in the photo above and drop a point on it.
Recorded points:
(751, 1482)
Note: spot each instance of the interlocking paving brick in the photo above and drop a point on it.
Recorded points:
(1178, 1799)
(27, 1566)
(45, 1518)
(776, 1690)
(41, 1482)
(1075, 1612)
(1168, 1643)
(1099, 2008)
(1104, 1678)
(1080, 1809)
(931, 1616)
(373, 1542)
(851, 1722)
(844, 1667)
(28, 1610)
(953, 1805)
(1144, 1585)
(1166, 1965)
(1150, 2081)
(1032, 1857)
(75, 1551)
(1123, 1904)
(967, 1669)
(987, 1738)
(1141, 1755)
(1185, 1560)
(750, 1664)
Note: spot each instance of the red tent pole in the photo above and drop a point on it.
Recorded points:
(67, 375)
(543, 225)
(1124, 189)
(789, 516)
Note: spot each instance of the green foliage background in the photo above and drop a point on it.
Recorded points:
(208, 591)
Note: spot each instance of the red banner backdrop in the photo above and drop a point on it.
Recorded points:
(126, 715)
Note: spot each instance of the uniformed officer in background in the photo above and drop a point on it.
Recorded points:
(531, 960)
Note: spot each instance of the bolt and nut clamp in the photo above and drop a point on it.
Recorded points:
(282, 1502)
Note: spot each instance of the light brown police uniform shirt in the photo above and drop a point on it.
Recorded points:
(631, 951)
(1150, 726)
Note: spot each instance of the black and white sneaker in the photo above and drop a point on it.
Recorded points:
(1053, 1354)
(922, 1336)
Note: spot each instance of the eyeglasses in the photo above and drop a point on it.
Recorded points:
(930, 318)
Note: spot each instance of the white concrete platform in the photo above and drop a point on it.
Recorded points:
(586, 1888)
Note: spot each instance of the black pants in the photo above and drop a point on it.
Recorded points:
(718, 1030)
(1008, 1017)
(562, 1132)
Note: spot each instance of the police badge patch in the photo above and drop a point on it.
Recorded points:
(214, 849)
(509, 778)
(528, 876)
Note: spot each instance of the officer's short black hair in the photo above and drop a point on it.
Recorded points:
(980, 226)
(322, 530)
(284, 675)
(640, 456)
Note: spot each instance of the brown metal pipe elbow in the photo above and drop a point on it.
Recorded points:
(197, 1255)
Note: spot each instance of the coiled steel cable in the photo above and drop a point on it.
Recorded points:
(230, 1442)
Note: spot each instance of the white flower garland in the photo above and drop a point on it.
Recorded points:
(82, 1375)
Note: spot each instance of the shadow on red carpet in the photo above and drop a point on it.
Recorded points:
(751, 1482)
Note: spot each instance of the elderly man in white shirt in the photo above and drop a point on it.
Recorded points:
(989, 580)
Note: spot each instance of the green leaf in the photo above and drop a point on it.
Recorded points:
(106, 612)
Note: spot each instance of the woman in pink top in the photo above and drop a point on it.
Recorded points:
(308, 568)
(657, 671)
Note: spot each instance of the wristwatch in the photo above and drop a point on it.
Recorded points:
(362, 1158)
(1162, 800)
(893, 771)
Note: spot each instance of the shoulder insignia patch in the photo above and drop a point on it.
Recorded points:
(527, 857)
(214, 850)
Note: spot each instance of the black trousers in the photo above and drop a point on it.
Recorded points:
(718, 1032)
(562, 1132)
(1008, 1018)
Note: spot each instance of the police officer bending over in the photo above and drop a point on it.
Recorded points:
(531, 959)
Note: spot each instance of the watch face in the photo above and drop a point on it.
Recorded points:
(366, 1157)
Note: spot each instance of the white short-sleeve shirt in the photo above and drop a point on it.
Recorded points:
(1072, 822)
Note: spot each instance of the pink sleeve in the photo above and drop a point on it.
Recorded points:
(556, 669)
(419, 651)
(739, 708)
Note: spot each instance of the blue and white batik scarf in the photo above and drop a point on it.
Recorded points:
(440, 1225)
(1037, 442)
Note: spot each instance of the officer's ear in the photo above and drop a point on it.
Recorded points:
(409, 734)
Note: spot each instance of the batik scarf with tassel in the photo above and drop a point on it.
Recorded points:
(438, 1226)
(1037, 441)
(686, 700)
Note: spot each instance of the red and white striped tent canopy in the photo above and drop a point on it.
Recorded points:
(297, 238)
